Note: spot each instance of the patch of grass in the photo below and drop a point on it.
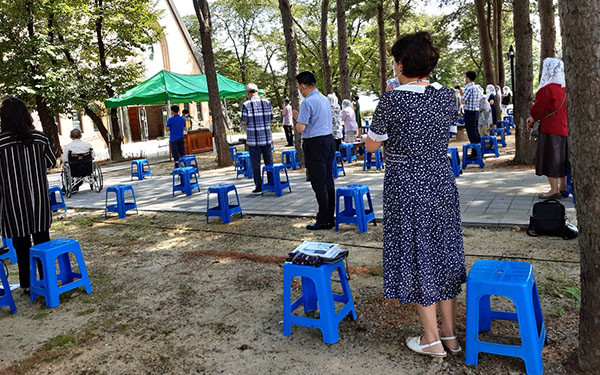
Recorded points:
(562, 287)
(377, 270)
(85, 312)
(41, 315)
(58, 341)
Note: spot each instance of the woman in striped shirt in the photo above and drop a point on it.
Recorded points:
(25, 155)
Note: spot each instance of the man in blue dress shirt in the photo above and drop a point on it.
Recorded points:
(175, 125)
(314, 122)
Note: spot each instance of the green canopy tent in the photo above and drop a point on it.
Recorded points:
(167, 87)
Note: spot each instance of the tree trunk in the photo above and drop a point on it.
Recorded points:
(48, 125)
(218, 119)
(498, 36)
(397, 18)
(46, 118)
(547, 31)
(292, 65)
(582, 70)
(484, 42)
(324, 53)
(525, 148)
(116, 137)
(381, 42)
(343, 50)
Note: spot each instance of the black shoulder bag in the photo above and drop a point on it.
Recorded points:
(549, 219)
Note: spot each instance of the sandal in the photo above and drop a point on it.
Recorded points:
(550, 196)
(453, 351)
(413, 344)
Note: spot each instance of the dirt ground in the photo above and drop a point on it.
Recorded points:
(174, 295)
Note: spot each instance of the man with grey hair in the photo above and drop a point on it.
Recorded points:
(257, 115)
(77, 146)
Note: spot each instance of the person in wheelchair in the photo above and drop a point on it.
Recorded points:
(79, 154)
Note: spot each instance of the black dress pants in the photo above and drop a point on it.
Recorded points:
(22, 246)
(289, 134)
(472, 126)
(318, 155)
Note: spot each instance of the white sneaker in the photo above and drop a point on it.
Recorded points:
(414, 344)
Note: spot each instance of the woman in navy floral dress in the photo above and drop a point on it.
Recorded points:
(423, 255)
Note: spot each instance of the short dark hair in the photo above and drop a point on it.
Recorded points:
(471, 74)
(286, 100)
(75, 134)
(175, 108)
(185, 111)
(16, 119)
(417, 54)
(306, 78)
(355, 97)
(457, 87)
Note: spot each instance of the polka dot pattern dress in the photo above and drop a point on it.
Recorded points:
(423, 254)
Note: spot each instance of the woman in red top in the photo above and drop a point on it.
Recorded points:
(550, 107)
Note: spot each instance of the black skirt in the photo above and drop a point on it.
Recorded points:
(551, 157)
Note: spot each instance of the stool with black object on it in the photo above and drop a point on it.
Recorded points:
(317, 293)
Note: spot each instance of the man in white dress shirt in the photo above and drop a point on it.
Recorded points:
(77, 146)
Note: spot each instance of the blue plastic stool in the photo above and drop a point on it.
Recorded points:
(188, 180)
(338, 165)
(510, 120)
(454, 163)
(570, 190)
(317, 294)
(188, 161)
(6, 298)
(377, 163)
(499, 132)
(478, 160)
(365, 129)
(354, 207)
(49, 253)
(55, 204)
(224, 210)
(243, 166)
(489, 145)
(274, 182)
(348, 153)
(232, 152)
(121, 206)
(12, 254)
(514, 280)
(504, 125)
(140, 169)
(288, 158)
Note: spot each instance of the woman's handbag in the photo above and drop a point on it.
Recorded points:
(535, 129)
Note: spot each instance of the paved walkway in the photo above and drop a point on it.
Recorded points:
(489, 198)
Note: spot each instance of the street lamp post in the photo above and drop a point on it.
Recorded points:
(511, 56)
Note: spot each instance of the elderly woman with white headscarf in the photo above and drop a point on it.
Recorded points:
(490, 94)
(336, 120)
(550, 108)
(506, 98)
(349, 119)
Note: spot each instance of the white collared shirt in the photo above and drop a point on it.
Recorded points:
(77, 146)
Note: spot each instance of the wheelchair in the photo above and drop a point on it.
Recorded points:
(80, 169)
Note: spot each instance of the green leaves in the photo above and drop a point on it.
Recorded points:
(53, 49)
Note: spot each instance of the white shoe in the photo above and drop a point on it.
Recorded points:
(453, 351)
(413, 344)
